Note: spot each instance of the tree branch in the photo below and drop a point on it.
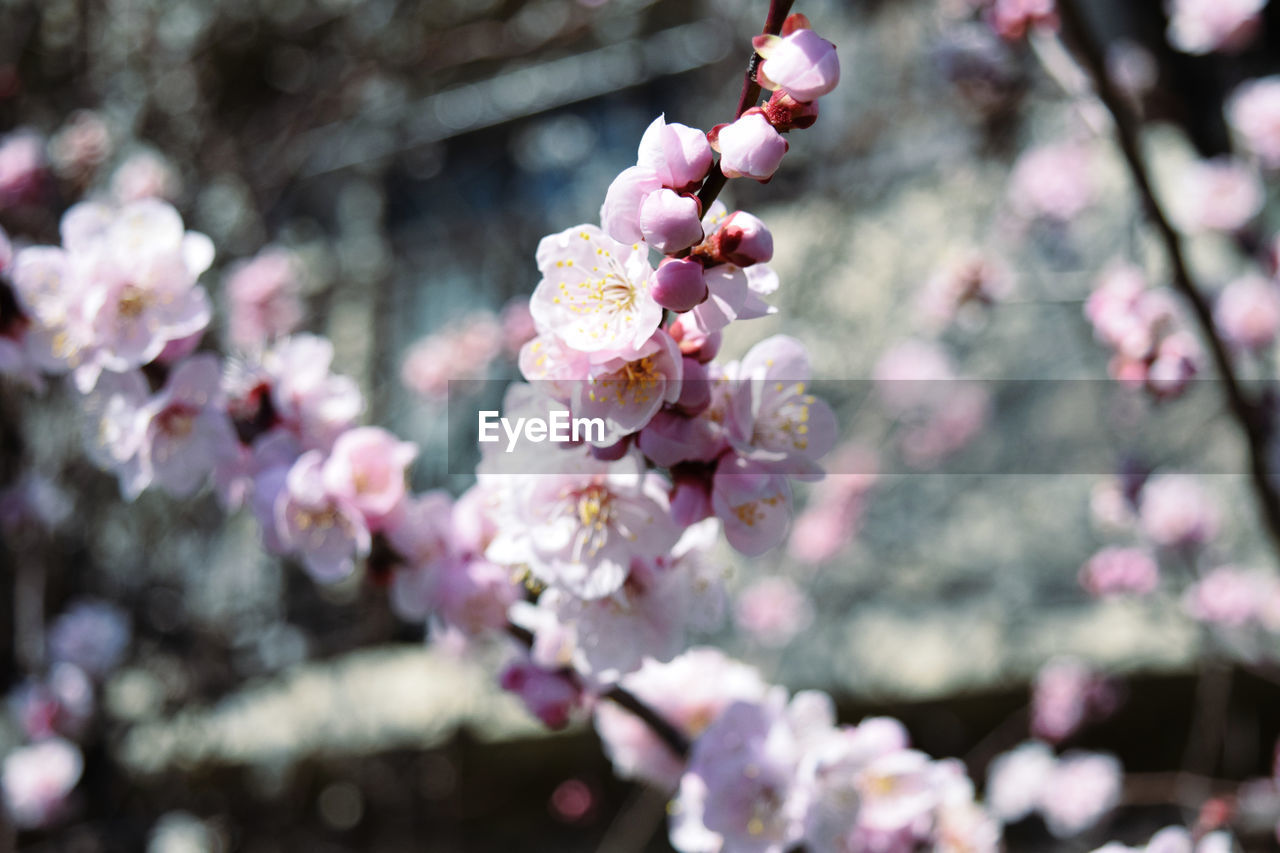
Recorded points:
(1249, 414)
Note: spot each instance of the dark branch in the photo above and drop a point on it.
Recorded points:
(1250, 416)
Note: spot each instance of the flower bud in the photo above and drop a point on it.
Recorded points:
(670, 222)
(750, 147)
(679, 155)
(695, 389)
(742, 240)
(690, 499)
(695, 343)
(678, 284)
(803, 64)
(614, 451)
(620, 214)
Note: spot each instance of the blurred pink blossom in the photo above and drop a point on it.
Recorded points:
(1248, 312)
(23, 169)
(1067, 694)
(1175, 511)
(462, 351)
(1120, 571)
(37, 780)
(1053, 181)
(264, 298)
(773, 610)
(1254, 112)
(1205, 26)
(145, 175)
(1217, 195)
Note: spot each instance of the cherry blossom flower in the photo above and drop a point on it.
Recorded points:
(581, 526)
(594, 293)
(1175, 511)
(37, 780)
(80, 146)
(740, 239)
(679, 155)
(1065, 695)
(263, 296)
(971, 280)
(22, 168)
(1053, 181)
(325, 530)
(802, 63)
(690, 692)
(1254, 112)
(185, 431)
(1205, 26)
(773, 610)
(1120, 571)
(629, 390)
(678, 284)
(314, 404)
(1230, 596)
(1016, 780)
(366, 469)
(462, 350)
(1248, 312)
(749, 147)
(145, 174)
(1080, 791)
(753, 502)
(1217, 195)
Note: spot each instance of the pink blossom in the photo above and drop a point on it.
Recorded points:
(1248, 312)
(620, 213)
(1081, 790)
(311, 402)
(1013, 19)
(594, 293)
(728, 294)
(1218, 195)
(462, 350)
(145, 175)
(834, 513)
(186, 430)
(37, 780)
(581, 526)
(690, 691)
(1016, 780)
(740, 239)
(1120, 571)
(550, 696)
(1065, 695)
(753, 503)
(366, 469)
(1053, 181)
(80, 146)
(647, 619)
(517, 325)
(628, 391)
(773, 610)
(263, 297)
(326, 531)
(1205, 26)
(774, 420)
(670, 222)
(678, 284)
(22, 168)
(679, 155)
(114, 428)
(803, 64)
(1230, 596)
(1254, 112)
(1175, 511)
(421, 528)
(749, 147)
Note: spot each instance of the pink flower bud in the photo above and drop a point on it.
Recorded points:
(742, 240)
(1248, 312)
(803, 64)
(614, 451)
(698, 345)
(620, 215)
(691, 500)
(549, 696)
(678, 284)
(695, 388)
(750, 147)
(670, 222)
(678, 154)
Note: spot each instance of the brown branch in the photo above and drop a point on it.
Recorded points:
(778, 11)
(1249, 414)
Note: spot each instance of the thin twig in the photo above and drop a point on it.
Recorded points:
(778, 11)
(1250, 416)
